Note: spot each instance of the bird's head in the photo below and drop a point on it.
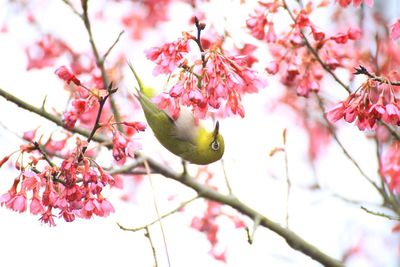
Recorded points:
(210, 147)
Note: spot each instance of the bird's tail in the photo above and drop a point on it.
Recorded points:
(140, 84)
(143, 90)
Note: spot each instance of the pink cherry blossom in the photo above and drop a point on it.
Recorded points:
(395, 30)
(169, 56)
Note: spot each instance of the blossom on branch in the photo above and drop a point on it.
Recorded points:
(216, 81)
(395, 30)
(370, 103)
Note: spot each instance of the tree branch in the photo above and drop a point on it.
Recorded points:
(53, 118)
(294, 241)
(99, 60)
(363, 70)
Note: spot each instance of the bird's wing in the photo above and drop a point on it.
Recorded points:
(185, 126)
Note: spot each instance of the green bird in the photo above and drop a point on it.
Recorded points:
(183, 137)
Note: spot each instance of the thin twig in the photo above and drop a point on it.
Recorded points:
(68, 3)
(146, 165)
(96, 126)
(288, 181)
(53, 118)
(380, 214)
(128, 167)
(228, 185)
(112, 46)
(99, 60)
(314, 52)
(344, 150)
(363, 70)
(250, 235)
(147, 234)
(200, 27)
(180, 207)
(41, 150)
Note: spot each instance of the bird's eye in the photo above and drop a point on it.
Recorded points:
(215, 145)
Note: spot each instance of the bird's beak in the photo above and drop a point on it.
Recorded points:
(216, 130)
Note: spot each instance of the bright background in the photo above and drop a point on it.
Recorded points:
(332, 224)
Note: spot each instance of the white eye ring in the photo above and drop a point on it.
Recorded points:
(215, 145)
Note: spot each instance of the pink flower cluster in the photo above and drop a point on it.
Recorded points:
(395, 30)
(82, 102)
(390, 167)
(292, 59)
(217, 82)
(370, 103)
(73, 189)
(124, 146)
(46, 51)
(169, 56)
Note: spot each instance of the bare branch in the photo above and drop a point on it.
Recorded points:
(380, 214)
(228, 185)
(147, 234)
(112, 46)
(69, 4)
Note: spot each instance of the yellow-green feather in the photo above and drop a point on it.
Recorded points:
(197, 151)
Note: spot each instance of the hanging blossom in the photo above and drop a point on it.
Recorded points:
(395, 30)
(84, 103)
(292, 59)
(366, 106)
(217, 81)
(390, 167)
(72, 189)
(169, 56)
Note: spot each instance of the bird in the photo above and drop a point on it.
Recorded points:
(183, 137)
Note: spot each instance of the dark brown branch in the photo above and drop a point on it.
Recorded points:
(39, 148)
(102, 100)
(363, 70)
(200, 26)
